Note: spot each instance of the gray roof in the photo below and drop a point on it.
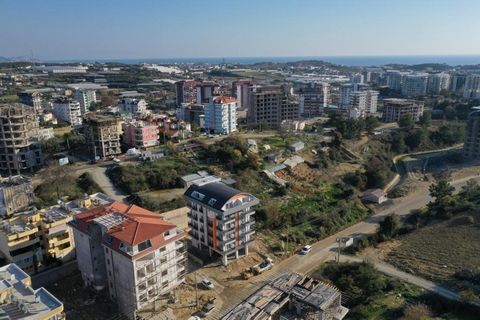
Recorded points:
(218, 191)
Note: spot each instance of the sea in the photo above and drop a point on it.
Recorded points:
(355, 61)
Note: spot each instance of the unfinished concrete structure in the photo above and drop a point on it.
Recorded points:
(102, 134)
(291, 296)
(16, 194)
(19, 147)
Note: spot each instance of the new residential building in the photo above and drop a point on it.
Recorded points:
(471, 147)
(18, 300)
(140, 134)
(415, 85)
(32, 99)
(191, 113)
(221, 115)
(220, 218)
(186, 91)
(19, 146)
(313, 99)
(243, 90)
(68, 110)
(86, 98)
(131, 251)
(438, 82)
(102, 134)
(362, 103)
(206, 90)
(472, 87)
(394, 109)
(270, 105)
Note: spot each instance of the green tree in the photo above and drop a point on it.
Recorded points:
(406, 122)
(442, 192)
(389, 226)
(425, 119)
(371, 123)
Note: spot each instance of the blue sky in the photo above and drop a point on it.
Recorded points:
(87, 29)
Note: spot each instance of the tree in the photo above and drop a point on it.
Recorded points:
(442, 191)
(406, 122)
(371, 123)
(389, 226)
(425, 119)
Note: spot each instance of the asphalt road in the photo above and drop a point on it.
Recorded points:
(326, 249)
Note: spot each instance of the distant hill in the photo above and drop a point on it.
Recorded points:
(17, 59)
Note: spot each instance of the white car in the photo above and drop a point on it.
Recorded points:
(208, 284)
(306, 249)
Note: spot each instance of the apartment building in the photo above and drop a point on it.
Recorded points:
(102, 134)
(291, 296)
(16, 194)
(415, 85)
(186, 91)
(173, 129)
(32, 99)
(18, 300)
(221, 115)
(140, 134)
(313, 99)
(243, 91)
(191, 113)
(472, 87)
(362, 103)
(270, 105)
(344, 93)
(87, 98)
(471, 147)
(394, 79)
(68, 110)
(206, 90)
(132, 106)
(394, 109)
(131, 251)
(438, 82)
(19, 146)
(457, 84)
(220, 218)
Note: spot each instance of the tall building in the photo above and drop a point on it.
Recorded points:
(191, 113)
(458, 83)
(139, 134)
(102, 134)
(19, 146)
(472, 87)
(86, 98)
(471, 147)
(220, 218)
(20, 301)
(415, 85)
(313, 99)
(32, 99)
(270, 105)
(344, 93)
(132, 106)
(437, 82)
(221, 115)
(186, 91)
(243, 90)
(356, 80)
(131, 251)
(394, 79)
(68, 110)
(394, 109)
(205, 90)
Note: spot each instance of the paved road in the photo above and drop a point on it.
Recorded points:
(325, 249)
(98, 174)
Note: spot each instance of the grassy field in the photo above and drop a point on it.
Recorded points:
(164, 195)
(438, 251)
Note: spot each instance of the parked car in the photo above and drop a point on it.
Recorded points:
(208, 284)
(207, 309)
(116, 160)
(306, 249)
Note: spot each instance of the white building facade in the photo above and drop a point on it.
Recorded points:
(68, 111)
(221, 115)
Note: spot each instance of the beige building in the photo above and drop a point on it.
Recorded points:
(102, 134)
(16, 194)
(18, 300)
(394, 109)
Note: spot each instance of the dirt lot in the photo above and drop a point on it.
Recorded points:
(165, 195)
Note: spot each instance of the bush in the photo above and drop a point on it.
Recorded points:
(417, 311)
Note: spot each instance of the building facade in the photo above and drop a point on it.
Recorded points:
(221, 115)
(186, 91)
(395, 109)
(472, 87)
(68, 110)
(414, 85)
(19, 146)
(313, 99)
(131, 251)
(132, 106)
(471, 147)
(206, 90)
(243, 91)
(86, 98)
(220, 218)
(438, 82)
(139, 134)
(32, 99)
(102, 135)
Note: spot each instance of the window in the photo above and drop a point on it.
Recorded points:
(164, 272)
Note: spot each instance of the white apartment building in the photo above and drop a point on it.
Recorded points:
(394, 109)
(472, 87)
(415, 85)
(362, 103)
(221, 115)
(132, 106)
(220, 218)
(86, 98)
(437, 82)
(68, 111)
(131, 251)
(394, 79)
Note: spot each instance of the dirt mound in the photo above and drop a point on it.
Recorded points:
(462, 221)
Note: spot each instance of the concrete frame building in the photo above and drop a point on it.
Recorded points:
(186, 91)
(102, 134)
(221, 115)
(131, 251)
(18, 300)
(19, 146)
(243, 91)
(471, 147)
(220, 218)
(68, 110)
(132, 106)
(394, 109)
(313, 99)
(16, 194)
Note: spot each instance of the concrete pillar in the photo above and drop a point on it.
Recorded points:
(246, 250)
(236, 254)
(225, 260)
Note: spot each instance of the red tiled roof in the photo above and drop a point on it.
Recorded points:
(224, 99)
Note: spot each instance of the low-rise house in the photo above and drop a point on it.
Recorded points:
(294, 161)
(297, 146)
(189, 179)
(375, 196)
(291, 296)
(18, 300)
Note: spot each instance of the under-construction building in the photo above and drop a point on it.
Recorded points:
(19, 147)
(102, 134)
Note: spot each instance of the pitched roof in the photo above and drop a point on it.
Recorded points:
(224, 99)
(213, 194)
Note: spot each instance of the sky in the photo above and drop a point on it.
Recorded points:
(120, 29)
